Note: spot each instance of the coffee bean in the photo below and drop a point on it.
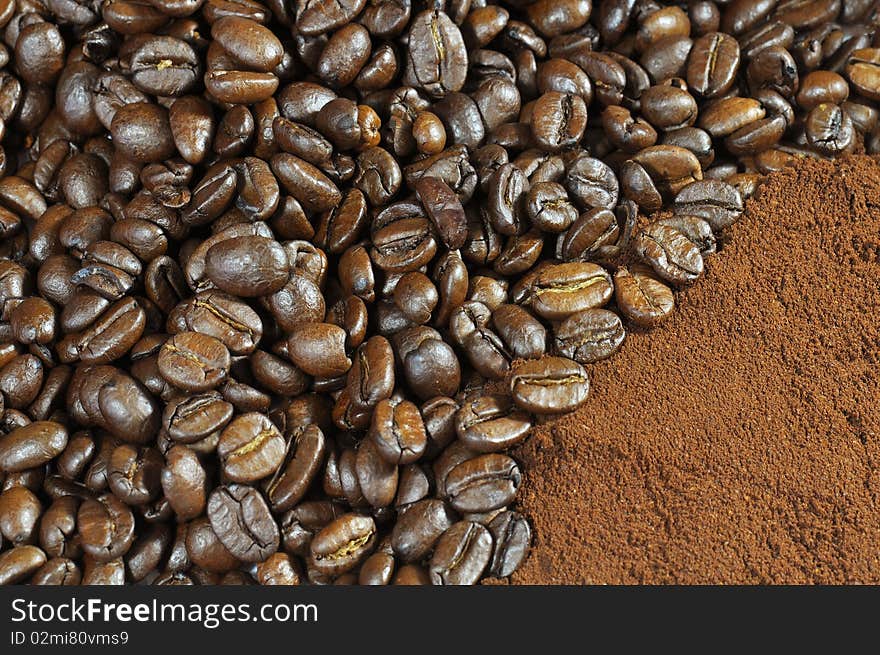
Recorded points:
(589, 336)
(642, 298)
(243, 523)
(483, 483)
(717, 202)
(250, 448)
(31, 445)
(194, 362)
(491, 424)
(342, 544)
(550, 385)
(670, 253)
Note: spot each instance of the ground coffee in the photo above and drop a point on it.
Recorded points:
(739, 442)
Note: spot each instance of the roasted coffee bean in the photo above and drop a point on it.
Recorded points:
(134, 474)
(589, 336)
(31, 445)
(558, 120)
(250, 448)
(829, 130)
(461, 555)
(243, 523)
(184, 481)
(642, 298)
(483, 483)
(247, 266)
(670, 253)
(550, 385)
(106, 527)
(398, 432)
(491, 424)
(863, 72)
(511, 536)
(719, 203)
(713, 64)
(194, 362)
(342, 544)
(559, 290)
(437, 61)
(444, 209)
(305, 456)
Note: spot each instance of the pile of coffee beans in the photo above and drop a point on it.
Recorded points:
(283, 282)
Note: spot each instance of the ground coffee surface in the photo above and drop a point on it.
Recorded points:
(739, 442)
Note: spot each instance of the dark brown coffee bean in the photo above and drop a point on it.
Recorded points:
(106, 527)
(437, 61)
(183, 482)
(319, 349)
(342, 544)
(242, 521)
(193, 418)
(483, 483)
(642, 298)
(250, 448)
(490, 424)
(305, 455)
(194, 362)
(589, 336)
(247, 266)
(560, 290)
(461, 555)
(511, 536)
(32, 445)
(550, 385)
(670, 253)
(719, 203)
(558, 120)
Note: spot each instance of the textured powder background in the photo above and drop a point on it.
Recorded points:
(739, 442)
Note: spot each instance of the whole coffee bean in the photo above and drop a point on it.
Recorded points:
(508, 187)
(719, 203)
(419, 528)
(670, 253)
(377, 478)
(444, 209)
(697, 230)
(559, 290)
(19, 514)
(589, 336)
(550, 385)
(829, 129)
(134, 474)
(548, 207)
(247, 266)
(511, 536)
(483, 483)
(183, 482)
(319, 349)
(342, 544)
(461, 555)
(521, 332)
(204, 548)
(141, 132)
(106, 527)
(242, 521)
(305, 456)
(250, 448)
(19, 564)
(558, 120)
(822, 87)
(194, 362)
(642, 298)
(248, 42)
(490, 423)
(193, 418)
(31, 445)
(58, 535)
(713, 64)
(863, 72)
(126, 408)
(591, 183)
(398, 432)
(437, 61)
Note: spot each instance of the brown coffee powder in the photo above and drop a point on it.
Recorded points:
(739, 442)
